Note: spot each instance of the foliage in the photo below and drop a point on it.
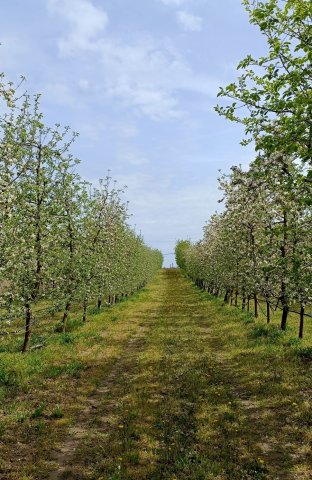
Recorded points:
(62, 240)
(275, 89)
(259, 248)
(181, 247)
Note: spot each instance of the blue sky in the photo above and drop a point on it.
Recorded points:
(138, 80)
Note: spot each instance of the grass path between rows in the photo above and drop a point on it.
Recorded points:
(171, 387)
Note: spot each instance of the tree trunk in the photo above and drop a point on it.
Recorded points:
(244, 300)
(285, 306)
(284, 317)
(38, 242)
(99, 303)
(231, 296)
(85, 305)
(268, 311)
(284, 296)
(65, 316)
(301, 321)
(256, 305)
(227, 296)
(236, 298)
(28, 318)
(248, 304)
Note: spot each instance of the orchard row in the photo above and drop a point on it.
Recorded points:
(260, 247)
(62, 241)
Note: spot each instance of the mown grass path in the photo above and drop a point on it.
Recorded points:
(185, 395)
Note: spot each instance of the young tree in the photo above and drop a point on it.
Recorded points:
(105, 208)
(28, 221)
(72, 198)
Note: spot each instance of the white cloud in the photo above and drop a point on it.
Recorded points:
(145, 74)
(132, 157)
(149, 99)
(189, 22)
(176, 3)
(85, 19)
(125, 130)
(95, 130)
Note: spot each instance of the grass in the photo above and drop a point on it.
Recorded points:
(272, 333)
(170, 384)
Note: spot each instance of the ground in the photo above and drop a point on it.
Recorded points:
(168, 385)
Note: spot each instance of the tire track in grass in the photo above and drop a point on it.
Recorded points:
(98, 417)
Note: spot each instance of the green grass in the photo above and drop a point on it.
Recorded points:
(170, 384)
(57, 412)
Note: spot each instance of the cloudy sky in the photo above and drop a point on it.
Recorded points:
(138, 79)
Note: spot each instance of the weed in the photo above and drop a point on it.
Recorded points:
(133, 458)
(67, 338)
(39, 428)
(259, 331)
(249, 318)
(37, 339)
(293, 342)
(272, 333)
(92, 311)
(57, 412)
(305, 416)
(36, 363)
(229, 416)
(38, 411)
(91, 338)
(53, 371)
(10, 376)
(58, 328)
(73, 369)
(2, 393)
(304, 352)
(74, 324)
(22, 416)
(256, 469)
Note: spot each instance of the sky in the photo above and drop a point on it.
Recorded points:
(138, 79)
